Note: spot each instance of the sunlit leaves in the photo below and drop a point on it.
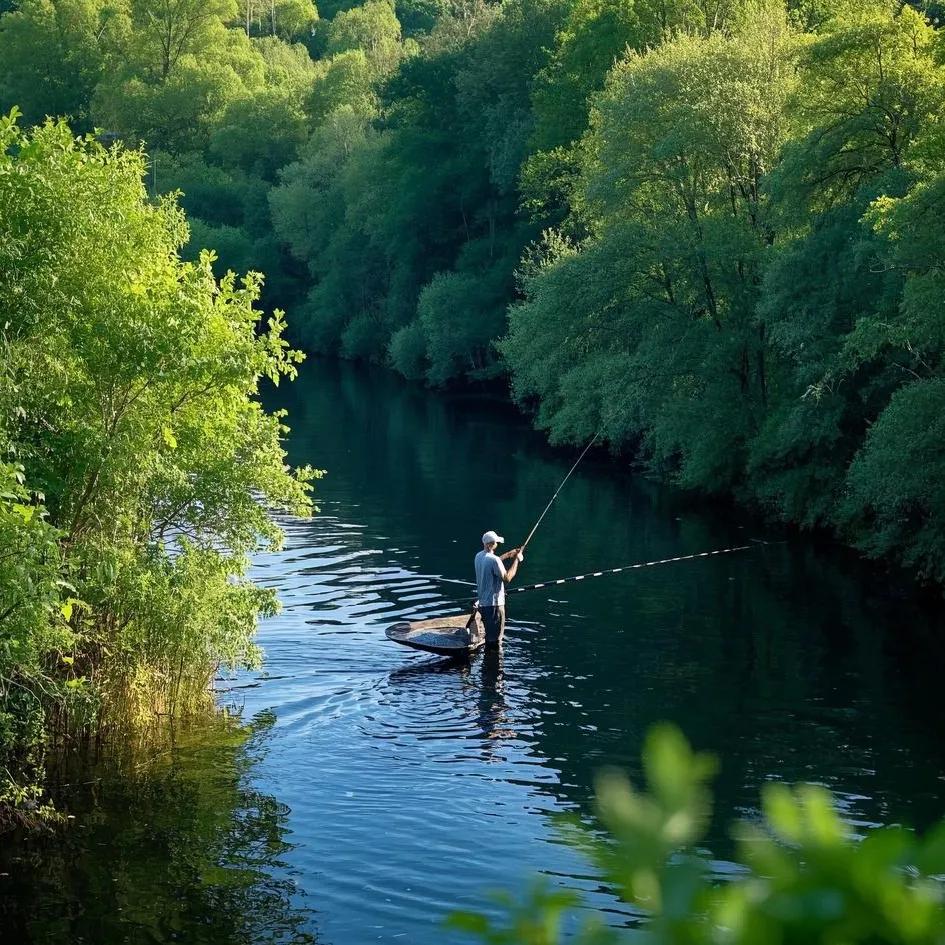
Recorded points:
(372, 28)
(33, 624)
(802, 875)
(52, 55)
(128, 397)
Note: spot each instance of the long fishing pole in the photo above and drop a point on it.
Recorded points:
(577, 462)
(628, 567)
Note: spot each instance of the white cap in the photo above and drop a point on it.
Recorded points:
(491, 538)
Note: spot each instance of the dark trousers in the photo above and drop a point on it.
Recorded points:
(493, 618)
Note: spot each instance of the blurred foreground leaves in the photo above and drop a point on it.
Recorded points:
(804, 878)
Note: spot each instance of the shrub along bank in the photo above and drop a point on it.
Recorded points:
(135, 462)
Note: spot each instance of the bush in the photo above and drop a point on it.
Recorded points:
(136, 465)
(408, 351)
(897, 481)
(806, 879)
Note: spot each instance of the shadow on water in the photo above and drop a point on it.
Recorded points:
(480, 686)
(428, 667)
(170, 842)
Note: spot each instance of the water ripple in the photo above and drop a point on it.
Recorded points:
(388, 758)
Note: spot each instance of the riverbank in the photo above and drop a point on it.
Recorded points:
(888, 574)
(136, 467)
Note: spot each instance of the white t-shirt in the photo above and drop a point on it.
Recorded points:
(490, 572)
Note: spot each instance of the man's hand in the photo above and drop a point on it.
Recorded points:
(512, 553)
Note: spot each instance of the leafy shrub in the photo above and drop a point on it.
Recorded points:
(806, 879)
(408, 351)
(136, 462)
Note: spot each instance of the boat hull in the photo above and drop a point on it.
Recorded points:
(444, 636)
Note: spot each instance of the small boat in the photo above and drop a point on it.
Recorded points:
(445, 636)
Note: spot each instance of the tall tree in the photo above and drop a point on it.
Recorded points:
(869, 84)
(52, 55)
(176, 71)
(653, 313)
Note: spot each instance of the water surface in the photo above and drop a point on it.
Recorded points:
(377, 789)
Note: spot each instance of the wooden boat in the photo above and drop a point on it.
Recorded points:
(445, 636)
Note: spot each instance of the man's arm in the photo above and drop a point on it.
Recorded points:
(508, 575)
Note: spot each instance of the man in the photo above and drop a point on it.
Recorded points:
(491, 578)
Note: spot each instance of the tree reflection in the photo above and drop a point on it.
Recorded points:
(170, 842)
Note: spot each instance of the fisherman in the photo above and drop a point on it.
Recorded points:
(491, 578)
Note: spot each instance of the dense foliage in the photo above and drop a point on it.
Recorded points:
(717, 227)
(742, 289)
(711, 230)
(135, 463)
(803, 876)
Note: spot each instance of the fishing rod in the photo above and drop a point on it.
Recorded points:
(628, 567)
(577, 462)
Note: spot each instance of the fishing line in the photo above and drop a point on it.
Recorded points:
(628, 567)
(603, 425)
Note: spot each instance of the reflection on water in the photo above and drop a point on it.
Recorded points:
(493, 709)
(400, 787)
(171, 841)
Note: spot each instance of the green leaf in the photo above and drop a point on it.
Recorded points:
(782, 811)
(931, 858)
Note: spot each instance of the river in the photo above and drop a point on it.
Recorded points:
(359, 791)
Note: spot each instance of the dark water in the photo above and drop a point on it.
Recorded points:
(368, 790)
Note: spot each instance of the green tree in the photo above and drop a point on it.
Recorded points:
(169, 30)
(459, 314)
(346, 80)
(287, 19)
(373, 28)
(52, 56)
(892, 504)
(128, 403)
(595, 35)
(262, 130)
(431, 194)
(870, 84)
(656, 307)
(173, 75)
